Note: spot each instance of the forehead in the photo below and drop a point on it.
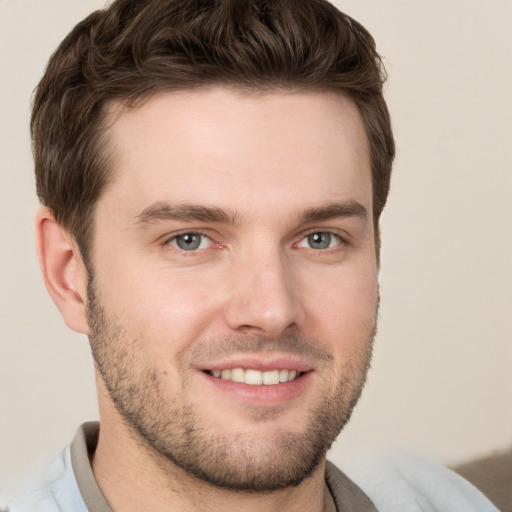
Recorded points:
(222, 146)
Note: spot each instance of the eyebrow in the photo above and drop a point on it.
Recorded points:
(334, 211)
(162, 211)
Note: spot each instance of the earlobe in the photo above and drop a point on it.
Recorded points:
(63, 270)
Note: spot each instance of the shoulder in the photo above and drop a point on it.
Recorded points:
(409, 483)
(52, 488)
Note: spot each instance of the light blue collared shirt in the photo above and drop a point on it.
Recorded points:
(398, 483)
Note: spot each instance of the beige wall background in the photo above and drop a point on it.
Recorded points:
(441, 383)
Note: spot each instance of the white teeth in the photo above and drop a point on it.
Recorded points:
(253, 377)
(237, 375)
(256, 377)
(271, 377)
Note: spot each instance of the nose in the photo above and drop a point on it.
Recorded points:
(263, 296)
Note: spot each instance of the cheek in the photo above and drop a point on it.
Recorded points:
(343, 311)
(168, 309)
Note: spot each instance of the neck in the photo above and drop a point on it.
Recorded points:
(133, 477)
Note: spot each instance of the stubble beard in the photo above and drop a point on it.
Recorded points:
(179, 433)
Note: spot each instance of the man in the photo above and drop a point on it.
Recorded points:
(212, 175)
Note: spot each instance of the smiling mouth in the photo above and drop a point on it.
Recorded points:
(256, 377)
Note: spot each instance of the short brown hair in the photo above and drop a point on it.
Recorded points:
(136, 48)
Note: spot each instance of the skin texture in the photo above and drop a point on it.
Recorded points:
(254, 177)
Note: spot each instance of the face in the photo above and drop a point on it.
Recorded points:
(234, 293)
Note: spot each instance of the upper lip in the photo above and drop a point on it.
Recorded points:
(259, 363)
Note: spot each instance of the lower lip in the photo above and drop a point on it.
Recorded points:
(274, 394)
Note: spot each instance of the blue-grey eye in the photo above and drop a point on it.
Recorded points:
(190, 241)
(320, 240)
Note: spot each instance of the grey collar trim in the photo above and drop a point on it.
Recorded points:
(346, 494)
(83, 445)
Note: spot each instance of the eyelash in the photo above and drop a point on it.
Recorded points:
(338, 239)
(340, 242)
(173, 238)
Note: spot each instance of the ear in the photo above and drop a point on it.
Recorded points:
(63, 270)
